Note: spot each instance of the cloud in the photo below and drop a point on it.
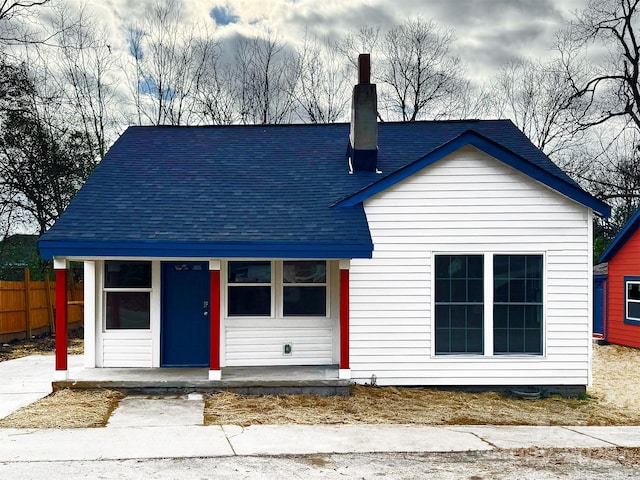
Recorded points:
(223, 15)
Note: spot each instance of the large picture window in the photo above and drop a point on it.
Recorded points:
(632, 300)
(517, 304)
(459, 304)
(127, 287)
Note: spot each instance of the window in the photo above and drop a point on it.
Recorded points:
(459, 304)
(304, 288)
(249, 289)
(632, 300)
(127, 287)
(517, 304)
(301, 288)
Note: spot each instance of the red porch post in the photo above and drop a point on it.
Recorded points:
(214, 308)
(60, 266)
(345, 371)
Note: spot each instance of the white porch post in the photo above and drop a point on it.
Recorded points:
(89, 314)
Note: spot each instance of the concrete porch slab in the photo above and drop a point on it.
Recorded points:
(319, 380)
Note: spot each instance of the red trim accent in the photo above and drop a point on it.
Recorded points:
(344, 319)
(214, 339)
(61, 319)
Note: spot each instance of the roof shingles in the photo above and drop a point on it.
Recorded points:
(200, 190)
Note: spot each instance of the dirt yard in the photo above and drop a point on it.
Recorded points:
(614, 399)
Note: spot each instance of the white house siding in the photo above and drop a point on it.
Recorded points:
(259, 341)
(468, 203)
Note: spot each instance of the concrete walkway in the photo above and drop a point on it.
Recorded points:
(172, 427)
(140, 442)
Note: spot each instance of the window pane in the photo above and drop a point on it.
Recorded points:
(250, 301)
(475, 291)
(534, 266)
(128, 310)
(305, 272)
(633, 291)
(127, 274)
(459, 290)
(459, 311)
(442, 266)
(459, 329)
(500, 265)
(516, 290)
(475, 266)
(501, 290)
(517, 310)
(443, 290)
(633, 310)
(249, 272)
(305, 301)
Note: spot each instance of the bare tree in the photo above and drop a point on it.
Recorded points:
(216, 90)
(537, 97)
(170, 60)
(364, 39)
(264, 80)
(420, 73)
(322, 89)
(12, 14)
(609, 89)
(85, 67)
(607, 92)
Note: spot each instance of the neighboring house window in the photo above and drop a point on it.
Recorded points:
(249, 288)
(632, 300)
(127, 287)
(517, 304)
(304, 290)
(459, 304)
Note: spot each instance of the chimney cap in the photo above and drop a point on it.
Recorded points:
(364, 68)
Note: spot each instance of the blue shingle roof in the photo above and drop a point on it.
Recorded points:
(248, 191)
(628, 230)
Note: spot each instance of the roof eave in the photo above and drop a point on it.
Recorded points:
(160, 249)
(492, 149)
(616, 244)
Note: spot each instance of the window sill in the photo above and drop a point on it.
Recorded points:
(630, 321)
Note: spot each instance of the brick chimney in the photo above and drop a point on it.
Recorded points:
(363, 138)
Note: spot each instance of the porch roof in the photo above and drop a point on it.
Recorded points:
(249, 191)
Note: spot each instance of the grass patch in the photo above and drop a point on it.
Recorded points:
(422, 406)
(66, 409)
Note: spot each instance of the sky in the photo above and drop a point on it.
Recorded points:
(488, 33)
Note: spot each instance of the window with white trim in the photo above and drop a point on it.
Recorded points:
(304, 288)
(459, 304)
(463, 286)
(291, 288)
(632, 300)
(127, 290)
(517, 304)
(249, 288)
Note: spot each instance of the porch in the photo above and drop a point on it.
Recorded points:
(309, 380)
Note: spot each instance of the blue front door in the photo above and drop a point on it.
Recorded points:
(185, 314)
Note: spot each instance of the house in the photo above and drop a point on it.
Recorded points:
(430, 253)
(621, 286)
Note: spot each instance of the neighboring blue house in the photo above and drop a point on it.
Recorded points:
(426, 253)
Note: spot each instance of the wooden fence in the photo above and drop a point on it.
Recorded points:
(28, 308)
